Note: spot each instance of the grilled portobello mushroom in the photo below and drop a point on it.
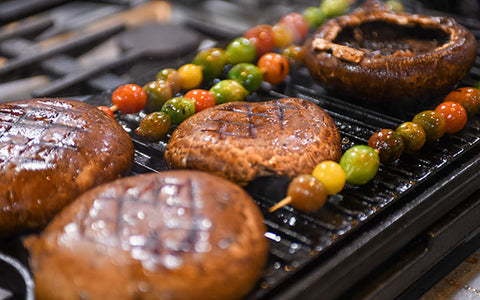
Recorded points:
(243, 140)
(172, 235)
(377, 54)
(51, 151)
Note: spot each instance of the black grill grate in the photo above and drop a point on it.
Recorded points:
(302, 241)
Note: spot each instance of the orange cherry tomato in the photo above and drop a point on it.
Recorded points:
(203, 98)
(275, 67)
(129, 98)
(455, 115)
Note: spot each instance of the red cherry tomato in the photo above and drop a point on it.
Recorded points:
(455, 115)
(275, 67)
(468, 97)
(129, 98)
(298, 24)
(106, 110)
(262, 37)
(203, 98)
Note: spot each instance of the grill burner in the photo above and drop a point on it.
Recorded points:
(358, 231)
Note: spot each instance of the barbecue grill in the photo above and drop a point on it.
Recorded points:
(374, 241)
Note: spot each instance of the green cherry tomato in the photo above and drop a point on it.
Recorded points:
(394, 5)
(212, 61)
(360, 164)
(314, 16)
(228, 90)
(432, 122)
(179, 109)
(241, 50)
(154, 126)
(333, 8)
(413, 136)
(158, 92)
(248, 75)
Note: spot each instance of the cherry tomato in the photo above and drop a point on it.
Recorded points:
(298, 24)
(248, 75)
(240, 50)
(154, 126)
(275, 67)
(314, 16)
(191, 76)
(305, 193)
(228, 90)
(331, 175)
(203, 98)
(179, 109)
(394, 5)
(455, 116)
(388, 143)
(468, 97)
(413, 135)
(172, 77)
(262, 37)
(106, 110)
(360, 163)
(282, 35)
(295, 53)
(333, 8)
(158, 92)
(432, 122)
(129, 98)
(212, 61)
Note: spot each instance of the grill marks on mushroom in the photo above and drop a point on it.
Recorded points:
(51, 150)
(243, 140)
(171, 235)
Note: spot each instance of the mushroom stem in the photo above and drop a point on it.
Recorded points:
(287, 200)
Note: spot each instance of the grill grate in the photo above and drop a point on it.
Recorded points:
(303, 244)
(300, 241)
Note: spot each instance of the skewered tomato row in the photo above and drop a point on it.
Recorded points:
(307, 192)
(450, 116)
(359, 164)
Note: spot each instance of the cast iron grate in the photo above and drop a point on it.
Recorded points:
(300, 240)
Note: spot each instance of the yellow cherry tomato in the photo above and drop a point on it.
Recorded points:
(331, 175)
(282, 35)
(191, 76)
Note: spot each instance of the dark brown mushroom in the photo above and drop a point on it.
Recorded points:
(377, 54)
